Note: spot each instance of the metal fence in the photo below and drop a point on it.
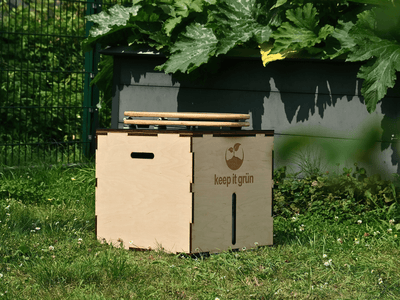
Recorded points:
(47, 106)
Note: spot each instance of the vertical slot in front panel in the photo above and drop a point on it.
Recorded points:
(233, 218)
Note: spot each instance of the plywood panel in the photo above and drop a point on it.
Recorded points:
(215, 180)
(146, 201)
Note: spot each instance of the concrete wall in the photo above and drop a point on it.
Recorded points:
(317, 99)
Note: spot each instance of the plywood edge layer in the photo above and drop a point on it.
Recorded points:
(188, 115)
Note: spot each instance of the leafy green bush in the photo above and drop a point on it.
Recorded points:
(41, 78)
(349, 193)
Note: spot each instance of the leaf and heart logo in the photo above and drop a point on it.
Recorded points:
(234, 156)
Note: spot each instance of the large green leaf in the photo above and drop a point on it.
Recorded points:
(184, 7)
(238, 24)
(279, 3)
(304, 17)
(364, 29)
(325, 31)
(117, 16)
(362, 44)
(192, 49)
(302, 32)
(350, 34)
(290, 37)
(171, 23)
(381, 75)
(117, 35)
(181, 9)
(347, 42)
(110, 28)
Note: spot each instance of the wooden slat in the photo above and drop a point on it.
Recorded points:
(188, 123)
(185, 115)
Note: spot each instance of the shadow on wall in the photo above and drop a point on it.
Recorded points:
(305, 88)
(309, 87)
(281, 96)
(235, 87)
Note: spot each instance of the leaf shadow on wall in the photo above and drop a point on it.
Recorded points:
(245, 86)
(303, 88)
(309, 87)
(230, 87)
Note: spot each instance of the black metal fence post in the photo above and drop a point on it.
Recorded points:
(91, 92)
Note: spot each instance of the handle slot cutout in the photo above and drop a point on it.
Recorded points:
(142, 155)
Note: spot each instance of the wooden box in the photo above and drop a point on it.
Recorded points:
(184, 191)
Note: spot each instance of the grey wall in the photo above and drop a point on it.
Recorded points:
(318, 99)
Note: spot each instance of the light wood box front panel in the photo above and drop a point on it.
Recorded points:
(146, 201)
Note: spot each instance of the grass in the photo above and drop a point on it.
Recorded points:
(48, 250)
(31, 155)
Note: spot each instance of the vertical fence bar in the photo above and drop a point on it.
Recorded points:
(43, 116)
(3, 112)
(3, 85)
(91, 93)
(87, 88)
(15, 131)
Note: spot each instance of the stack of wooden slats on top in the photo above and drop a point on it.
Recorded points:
(188, 119)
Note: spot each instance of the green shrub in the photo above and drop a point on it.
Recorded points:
(346, 194)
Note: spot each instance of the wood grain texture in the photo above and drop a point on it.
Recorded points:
(188, 115)
(187, 123)
(145, 201)
(212, 228)
(179, 199)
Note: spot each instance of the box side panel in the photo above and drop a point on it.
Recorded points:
(144, 201)
(232, 192)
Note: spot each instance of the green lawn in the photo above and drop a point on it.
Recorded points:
(48, 251)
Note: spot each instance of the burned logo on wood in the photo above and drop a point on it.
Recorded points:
(234, 157)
